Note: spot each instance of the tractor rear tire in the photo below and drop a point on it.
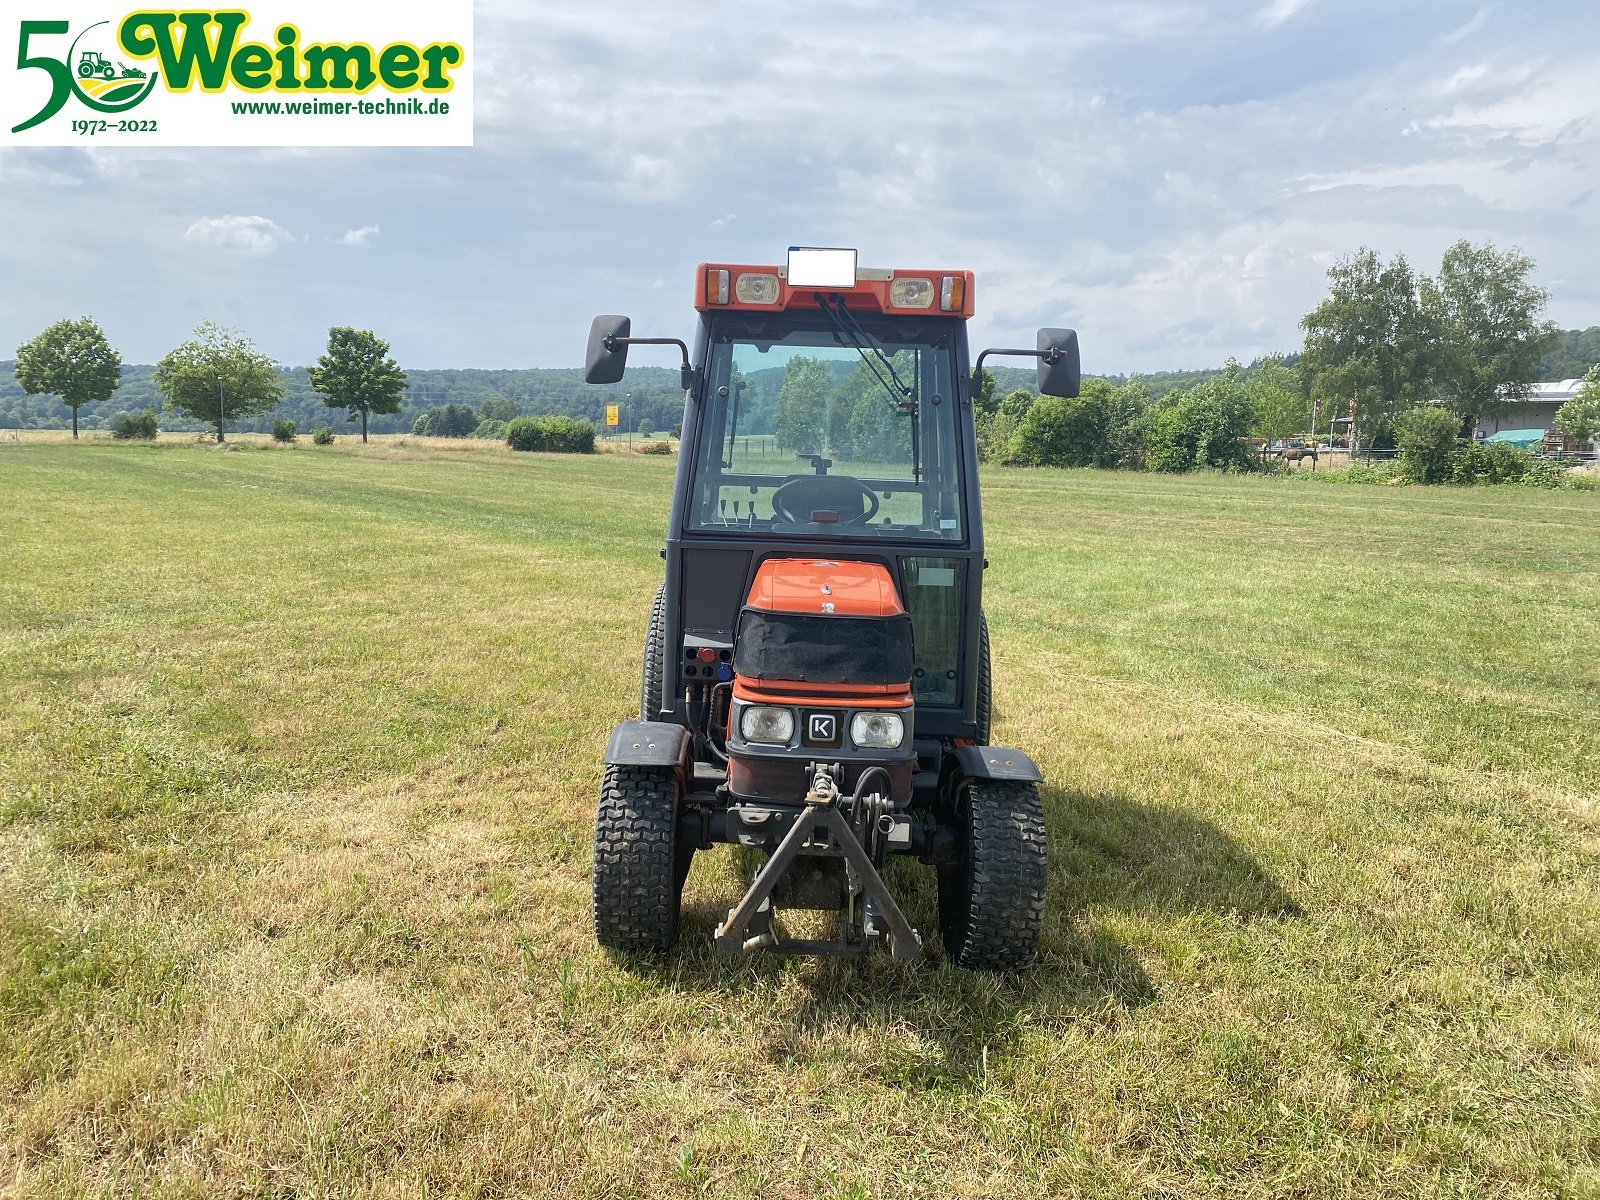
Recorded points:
(985, 683)
(638, 868)
(654, 658)
(991, 903)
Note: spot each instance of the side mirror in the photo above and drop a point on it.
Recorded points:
(607, 356)
(1059, 369)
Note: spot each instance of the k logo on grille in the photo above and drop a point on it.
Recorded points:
(822, 729)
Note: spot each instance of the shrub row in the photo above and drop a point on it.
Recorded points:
(561, 435)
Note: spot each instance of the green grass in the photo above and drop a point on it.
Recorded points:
(298, 752)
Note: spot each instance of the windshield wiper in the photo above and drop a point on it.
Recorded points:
(848, 331)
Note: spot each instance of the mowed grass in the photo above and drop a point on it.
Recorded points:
(298, 757)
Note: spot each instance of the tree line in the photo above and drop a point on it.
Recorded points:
(215, 377)
(1386, 340)
(1386, 344)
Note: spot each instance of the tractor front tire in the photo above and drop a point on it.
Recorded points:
(654, 659)
(638, 875)
(991, 903)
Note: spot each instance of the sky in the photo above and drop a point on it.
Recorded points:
(1171, 179)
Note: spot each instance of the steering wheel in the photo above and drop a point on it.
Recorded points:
(795, 491)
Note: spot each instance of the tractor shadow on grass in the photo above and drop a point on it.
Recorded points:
(1114, 861)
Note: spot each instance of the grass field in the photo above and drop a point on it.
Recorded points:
(298, 752)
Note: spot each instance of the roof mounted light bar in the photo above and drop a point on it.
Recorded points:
(799, 285)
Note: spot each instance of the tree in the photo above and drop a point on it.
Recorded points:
(498, 408)
(1016, 404)
(1571, 354)
(451, 421)
(1370, 340)
(217, 375)
(1426, 438)
(1066, 432)
(1491, 338)
(72, 360)
(1277, 400)
(356, 373)
(803, 405)
(1202, 427)
(1126, 413)
(1579, 418)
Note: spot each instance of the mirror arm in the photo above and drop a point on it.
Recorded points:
(687, 375)
(1053, 355)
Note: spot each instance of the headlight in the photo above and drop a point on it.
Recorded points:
(760, 723)
(756, 289)
(877, 731)
(911, 293)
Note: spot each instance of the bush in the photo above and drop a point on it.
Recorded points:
(1060, 432)
(1543, 474)
(1203, 427)
(491, 429)
(322, 435)
(284, 430)
(560, 435)
(995, 433)
(1426, 439)
(656, 448)
(126, 427)
(1489, 462)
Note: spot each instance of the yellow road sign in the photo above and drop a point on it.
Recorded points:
(611, 414)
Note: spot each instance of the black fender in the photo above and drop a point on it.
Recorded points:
(648, 744)
(997, 762)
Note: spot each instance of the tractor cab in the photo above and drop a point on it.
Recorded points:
(816, 679)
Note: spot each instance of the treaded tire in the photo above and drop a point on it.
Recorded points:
(638, 876)
(991, 905)
(654, 655)
(985, 682)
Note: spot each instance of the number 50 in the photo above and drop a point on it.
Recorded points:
(60, 76)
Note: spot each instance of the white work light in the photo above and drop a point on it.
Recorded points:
(756, 289)
(877, 730)
(764, 723)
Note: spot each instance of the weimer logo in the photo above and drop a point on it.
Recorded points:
(88, 72)
(228, 77)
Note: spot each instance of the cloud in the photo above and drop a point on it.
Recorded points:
(1279, 11)
(1476, 22)
(360, 237)
(242, 235)
(1176, 214)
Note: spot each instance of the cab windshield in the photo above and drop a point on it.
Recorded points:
(829, 424)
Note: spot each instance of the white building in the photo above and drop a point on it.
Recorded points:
(1538, 411)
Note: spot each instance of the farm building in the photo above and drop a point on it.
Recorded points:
(1538, 411)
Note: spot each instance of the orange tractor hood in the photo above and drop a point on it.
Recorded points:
(824, 585)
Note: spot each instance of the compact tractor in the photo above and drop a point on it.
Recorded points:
(816, 678)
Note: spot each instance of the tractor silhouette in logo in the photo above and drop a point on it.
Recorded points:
(94, 63)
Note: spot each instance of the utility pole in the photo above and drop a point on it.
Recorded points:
(222, 416)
